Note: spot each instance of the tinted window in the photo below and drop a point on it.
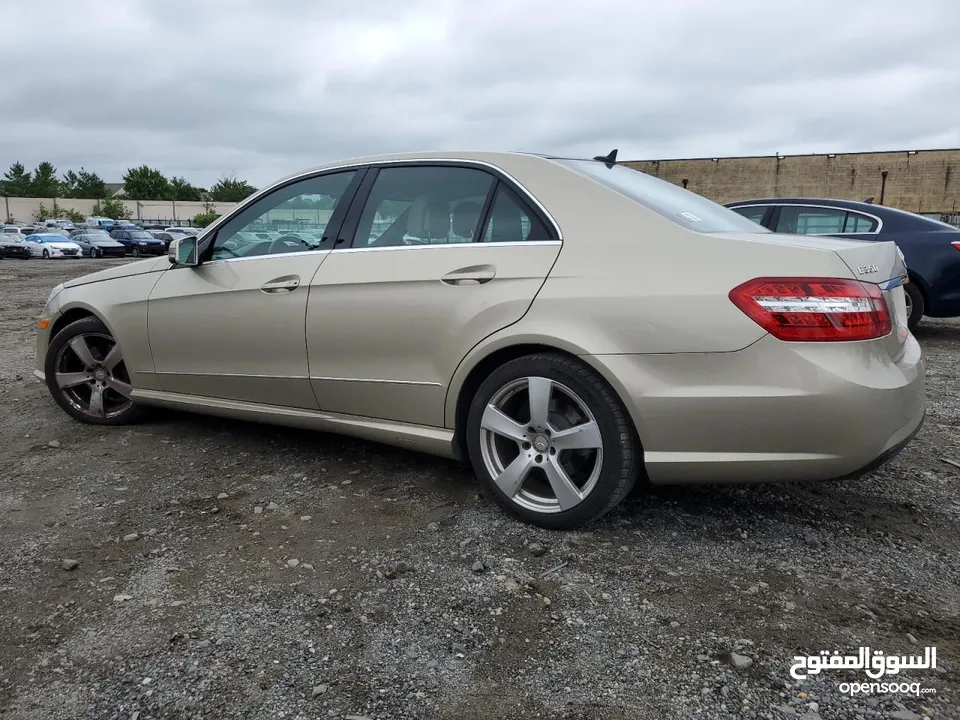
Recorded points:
(810, 221)
(140, 235)
(423, 205)
(511, 220)
(290, 219)
(753, 213)
(857, 223)
(685, 208)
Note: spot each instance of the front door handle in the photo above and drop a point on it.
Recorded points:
(288, 283)
(473, 275)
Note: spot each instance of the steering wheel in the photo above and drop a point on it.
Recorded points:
(284, 240)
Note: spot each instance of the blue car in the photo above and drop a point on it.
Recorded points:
(138, 242)
(930, 248)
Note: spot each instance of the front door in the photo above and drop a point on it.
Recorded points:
(439, 257)
(233, 327)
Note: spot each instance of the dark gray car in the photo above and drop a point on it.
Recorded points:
(98, 244)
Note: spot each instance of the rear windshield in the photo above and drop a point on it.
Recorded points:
(685, 208)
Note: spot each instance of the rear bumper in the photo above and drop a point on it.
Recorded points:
(772, 412)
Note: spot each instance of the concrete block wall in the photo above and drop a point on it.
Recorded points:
(926, 181)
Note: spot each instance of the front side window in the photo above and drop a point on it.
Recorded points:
(423, 205)
(800, 220)
(293, 218)
(683, 207)
(754, 213)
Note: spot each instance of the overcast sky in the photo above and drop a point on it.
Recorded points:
(260, 89)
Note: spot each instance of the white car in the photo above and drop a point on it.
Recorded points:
(51, 245)
(182, 231)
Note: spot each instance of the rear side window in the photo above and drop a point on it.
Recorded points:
(857, 223)
(511, 221)
(685, 208)
(801, 220)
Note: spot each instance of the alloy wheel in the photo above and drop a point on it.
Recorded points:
(541, 444)
(46, 254)
(136, 251)
(909, 301)
(92, 377)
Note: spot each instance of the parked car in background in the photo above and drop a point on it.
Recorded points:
(59, 224)
(51, 245)
(97, 244)
(104, 223)
(182, 230)
(567, 325)
(12, 246)
(138, 242)
(13, 230)
(931, 249)
(163, 236)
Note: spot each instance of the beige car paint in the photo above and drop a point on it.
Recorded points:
(638, 297)
(195, 314)
(385, 334)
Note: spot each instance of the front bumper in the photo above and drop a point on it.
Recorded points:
(16, 252)
(772, 412)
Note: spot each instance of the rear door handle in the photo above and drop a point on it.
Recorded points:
(473, 275)
(288, 283)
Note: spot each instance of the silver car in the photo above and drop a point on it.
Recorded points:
(568, 326)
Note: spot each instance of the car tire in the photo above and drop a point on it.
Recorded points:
(915, 304)
(46, 254)
(526, 460)
(87, 376)
(94, 253)
(136, 251)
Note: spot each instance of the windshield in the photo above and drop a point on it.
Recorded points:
(685, 208)
(141, 235)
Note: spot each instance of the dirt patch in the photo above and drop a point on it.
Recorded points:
(353, 589)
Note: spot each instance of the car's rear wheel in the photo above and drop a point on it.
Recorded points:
(87, 376)
(915, 304)
(46, 254)
(552, 442)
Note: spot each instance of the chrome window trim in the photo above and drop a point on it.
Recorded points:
(820, 207)
(437, 246)
(306, 174)
(299, 253)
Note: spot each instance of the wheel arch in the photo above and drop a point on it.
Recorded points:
(478, 367)
(73, 313)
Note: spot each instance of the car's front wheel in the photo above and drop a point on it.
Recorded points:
(87, 376)
(552, 441)
(46, 254)
(94, 253)
(136, 251)
(915, 304)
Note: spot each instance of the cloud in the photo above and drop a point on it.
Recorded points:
(263, 89)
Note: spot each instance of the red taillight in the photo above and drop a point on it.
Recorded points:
(814, 309)
(956, 245)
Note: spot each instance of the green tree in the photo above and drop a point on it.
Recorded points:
(112, 208)
(204, 219)
(83, 184)
(45, 183)
(16, 181)
(180, 189)
(42, 213)
(145, 183)
(229, 189)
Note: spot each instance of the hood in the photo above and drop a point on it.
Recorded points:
(66, 244)
(105, 242)
(135, 268)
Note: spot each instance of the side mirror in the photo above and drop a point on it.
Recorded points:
(183, 251)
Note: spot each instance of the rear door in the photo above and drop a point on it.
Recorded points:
(433, 258)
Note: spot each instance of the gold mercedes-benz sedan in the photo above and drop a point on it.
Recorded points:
(566, 325)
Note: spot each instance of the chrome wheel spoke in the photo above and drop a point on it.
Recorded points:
(499, 423)
(72, 379)
(539, 390)
(96, 401)
(119, 386)
(511, 479)
(82, 351)
(113, 357)
(568, 494)
(579, 437)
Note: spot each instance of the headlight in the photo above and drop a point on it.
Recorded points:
(53, 293)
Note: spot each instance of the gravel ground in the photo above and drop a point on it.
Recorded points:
(225, 569)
